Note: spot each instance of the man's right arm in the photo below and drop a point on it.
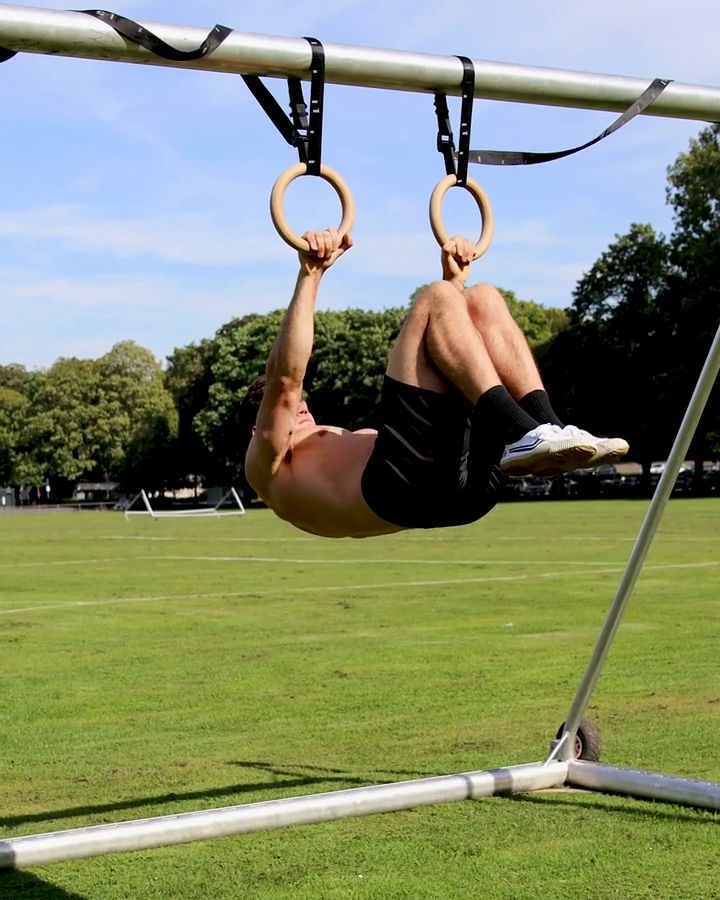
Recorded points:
(284, 376)
(287, 363)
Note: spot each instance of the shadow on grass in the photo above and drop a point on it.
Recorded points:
(650, 809)
(292, 768)
(284, 778)
(23, 886)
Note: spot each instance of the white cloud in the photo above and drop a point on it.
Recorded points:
(197, 239)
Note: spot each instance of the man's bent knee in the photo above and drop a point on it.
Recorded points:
(437, 293)
(486, 303)
(483, 293)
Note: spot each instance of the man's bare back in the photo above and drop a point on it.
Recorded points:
(317, 484)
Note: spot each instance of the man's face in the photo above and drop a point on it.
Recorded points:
(303, 418)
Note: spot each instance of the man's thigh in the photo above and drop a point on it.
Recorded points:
(409, 360)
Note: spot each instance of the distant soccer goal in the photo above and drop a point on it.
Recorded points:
(229, 504)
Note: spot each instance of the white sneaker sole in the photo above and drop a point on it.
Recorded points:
(549, 458)
(609, 451)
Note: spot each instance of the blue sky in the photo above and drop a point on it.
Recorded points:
(134, 198)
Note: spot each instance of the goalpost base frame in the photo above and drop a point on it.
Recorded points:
(144, 834)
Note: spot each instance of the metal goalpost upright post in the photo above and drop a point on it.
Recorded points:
(84, 34)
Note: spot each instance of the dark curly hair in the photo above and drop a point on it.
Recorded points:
(249, 407)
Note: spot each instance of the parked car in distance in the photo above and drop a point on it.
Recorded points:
(528, 488)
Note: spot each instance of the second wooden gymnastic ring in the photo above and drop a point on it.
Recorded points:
(487, 229)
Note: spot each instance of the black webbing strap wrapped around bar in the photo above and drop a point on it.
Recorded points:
(317, 97)
(303, 129)
(466, 108)
(274, 111)
(519, 158)
(445, 142)
(131, 31)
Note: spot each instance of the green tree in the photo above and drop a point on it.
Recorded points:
(134, 409)
(148, 457)
(347, 367)
(241, 348)
(14, 377)
(58, 435)
(13, 410)
(644, 315)
(611, 370)
(694, 194)
(78, 418)
(13, 413)
(188, 377)
(540, 324)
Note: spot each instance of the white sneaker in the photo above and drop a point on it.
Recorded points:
(607, 450)
(548, 450)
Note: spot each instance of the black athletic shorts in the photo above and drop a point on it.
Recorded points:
(432, 464)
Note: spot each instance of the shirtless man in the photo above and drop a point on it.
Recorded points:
(462, 405)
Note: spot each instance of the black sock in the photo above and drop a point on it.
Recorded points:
(502, 416)
(537, 404)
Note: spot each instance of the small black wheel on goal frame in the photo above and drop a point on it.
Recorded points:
(588, 742)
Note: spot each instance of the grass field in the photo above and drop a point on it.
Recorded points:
(154, 667)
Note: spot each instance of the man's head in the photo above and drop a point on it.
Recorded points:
(250, 406)
(303, 416)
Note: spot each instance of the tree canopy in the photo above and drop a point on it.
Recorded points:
(82, 418)
(643, 317)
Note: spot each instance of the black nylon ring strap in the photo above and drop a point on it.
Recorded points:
(445, 144)
(519, 158)
(298, 114)
(317, 97)
(301, 130)
(275, 112)
(131, 31)
(5, 55)
(466, 109)
(445, 141)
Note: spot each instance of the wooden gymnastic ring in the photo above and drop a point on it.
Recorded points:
(277, 198)
(488, 218)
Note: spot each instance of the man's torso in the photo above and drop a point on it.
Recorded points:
(318, 485)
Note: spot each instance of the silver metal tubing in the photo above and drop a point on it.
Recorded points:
(648, 785)
(142, 834)
(65, 33)
(642, 543)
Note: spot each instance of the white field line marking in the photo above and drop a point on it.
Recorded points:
(282, 559)
(344, 587)
(401, 538)
(265, 591)
(602, 539)
(194, 537)
(362, 560)
(66, 562)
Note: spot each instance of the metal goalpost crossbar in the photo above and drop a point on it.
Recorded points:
(66, 33)
(32, 30)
